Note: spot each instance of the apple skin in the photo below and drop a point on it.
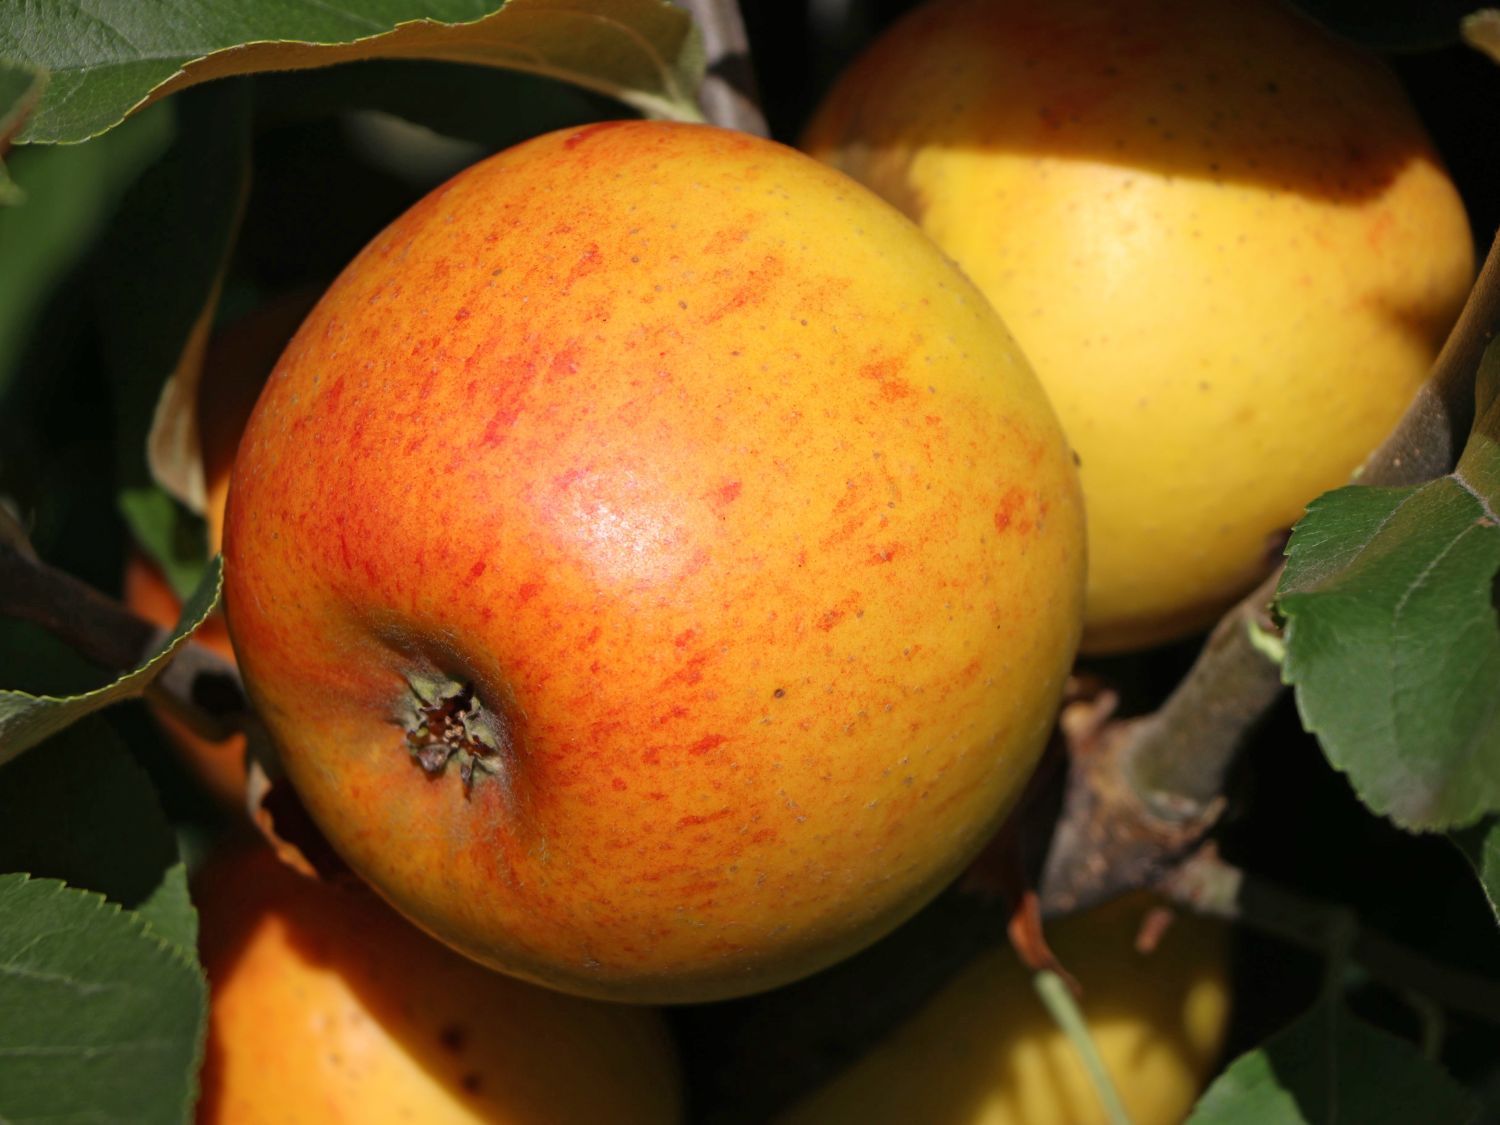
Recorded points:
(1221, 236)
(727, 504)
(984, 1051)
(235, 366)
(327, 1006)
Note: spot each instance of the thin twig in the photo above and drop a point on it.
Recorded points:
(96, 627)
(1209, 885)
(1063, 1008)
(199, 686)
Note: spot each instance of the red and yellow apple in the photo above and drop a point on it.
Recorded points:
(238, 359)
(984, 1051)
(655, 563)
(1221, 236)
(326, 1006)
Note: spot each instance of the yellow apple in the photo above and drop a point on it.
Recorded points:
(655, 563)
(328, 1007)
(1221, 236)
(984, 1051)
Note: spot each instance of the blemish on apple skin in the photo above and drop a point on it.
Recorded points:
(692, 672)
(671, 714)
(706, 743)
(707, 818)
(725, 240)
(1009, 509)
(884, 374)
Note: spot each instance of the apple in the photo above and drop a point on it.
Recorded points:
(235, 366)
(1221, 236)
(984, 1051)
(327, 1006)
(656, 564)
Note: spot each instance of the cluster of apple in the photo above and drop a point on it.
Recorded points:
(658, 564)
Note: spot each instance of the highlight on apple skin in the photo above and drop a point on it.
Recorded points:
(656, 564)
(1221, 235)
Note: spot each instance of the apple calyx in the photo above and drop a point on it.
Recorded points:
(444, 721)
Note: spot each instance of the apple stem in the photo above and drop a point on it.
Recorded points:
(1209, 885)
(1064, 1009)
(445, 721)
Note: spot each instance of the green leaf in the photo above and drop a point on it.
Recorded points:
(1329, 1068)
(70, 194)
(82, 811)
(108, 60)
(1392, 640)
(35, 661)
(1481, 847)
(100, 1019)
(26, 720)
(169, 910)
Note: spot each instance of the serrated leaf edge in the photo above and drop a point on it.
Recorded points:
(676, 105)
(175, 953)
(60, 888)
